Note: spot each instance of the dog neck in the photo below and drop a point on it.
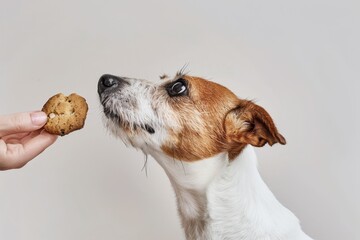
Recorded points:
(222, 199)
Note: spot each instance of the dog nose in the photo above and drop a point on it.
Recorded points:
(108, 81)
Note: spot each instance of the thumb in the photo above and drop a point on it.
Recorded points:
(22, 122)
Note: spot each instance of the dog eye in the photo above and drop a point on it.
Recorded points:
(178, 88)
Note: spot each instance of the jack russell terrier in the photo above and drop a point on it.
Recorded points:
(203, 135)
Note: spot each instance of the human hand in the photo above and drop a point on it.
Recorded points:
(22, 138)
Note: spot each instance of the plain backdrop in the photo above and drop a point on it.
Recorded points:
(300, 60)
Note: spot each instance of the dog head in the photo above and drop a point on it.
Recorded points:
(187, 118)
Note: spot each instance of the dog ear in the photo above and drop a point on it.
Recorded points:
(251, 124)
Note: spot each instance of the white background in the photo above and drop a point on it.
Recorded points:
(298, 59)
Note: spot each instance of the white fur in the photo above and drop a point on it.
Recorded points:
(135, 105)
(218, 199)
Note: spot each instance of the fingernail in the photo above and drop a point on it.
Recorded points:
(38, 118)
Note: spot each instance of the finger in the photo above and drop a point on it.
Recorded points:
(31, 135)
(21, 122)
(24, 153)
(37, 145)
(15, 136)
(21, 138)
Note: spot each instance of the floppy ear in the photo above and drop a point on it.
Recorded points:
(251, 124)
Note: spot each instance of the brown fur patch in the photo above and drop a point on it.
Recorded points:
(201, 116)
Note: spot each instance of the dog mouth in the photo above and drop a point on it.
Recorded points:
(112, 115)
(109, 111)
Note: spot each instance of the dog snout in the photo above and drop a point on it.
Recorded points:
(110, 82)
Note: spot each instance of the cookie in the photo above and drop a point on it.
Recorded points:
(65, 113)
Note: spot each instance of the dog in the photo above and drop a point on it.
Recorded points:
(203, 136)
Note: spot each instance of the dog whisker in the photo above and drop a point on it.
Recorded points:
(145, 164)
